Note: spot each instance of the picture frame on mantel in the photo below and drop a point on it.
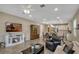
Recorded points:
(13, 27)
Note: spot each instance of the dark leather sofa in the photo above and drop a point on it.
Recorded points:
(52, 44)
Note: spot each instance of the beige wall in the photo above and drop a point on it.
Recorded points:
(77, 23)
(72, 28)
(9, 18)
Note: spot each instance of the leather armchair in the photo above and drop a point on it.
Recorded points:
(52, 44)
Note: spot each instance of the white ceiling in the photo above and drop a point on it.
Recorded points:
(65, 12)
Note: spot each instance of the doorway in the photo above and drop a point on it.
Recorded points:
(34, 31)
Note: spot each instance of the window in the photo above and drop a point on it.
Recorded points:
(74, 27)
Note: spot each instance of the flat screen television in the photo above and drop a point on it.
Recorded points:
(13, 27)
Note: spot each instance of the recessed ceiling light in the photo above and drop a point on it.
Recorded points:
(58, 17)
(52, 25)
(30, 15)
(56, 9)
(26, 11)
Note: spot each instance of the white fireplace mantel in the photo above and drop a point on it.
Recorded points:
(13, 38)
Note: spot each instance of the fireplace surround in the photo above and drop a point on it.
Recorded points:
(13, 38)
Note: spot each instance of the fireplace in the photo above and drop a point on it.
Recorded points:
(15, 40)
(12, 39)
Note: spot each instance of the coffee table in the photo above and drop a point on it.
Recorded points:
(39, 50)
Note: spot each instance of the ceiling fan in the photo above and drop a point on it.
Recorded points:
(27, 9)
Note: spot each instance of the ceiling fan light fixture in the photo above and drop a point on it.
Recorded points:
(27, 11)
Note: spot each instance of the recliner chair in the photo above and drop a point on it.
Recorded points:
(52, 44)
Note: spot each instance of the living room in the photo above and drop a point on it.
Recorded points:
(22, 27)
